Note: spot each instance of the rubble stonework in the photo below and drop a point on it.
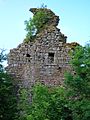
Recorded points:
(44, 60)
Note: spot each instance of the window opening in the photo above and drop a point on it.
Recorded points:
(51, 57)
(27, 55)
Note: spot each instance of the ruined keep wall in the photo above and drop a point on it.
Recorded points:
(45, 60)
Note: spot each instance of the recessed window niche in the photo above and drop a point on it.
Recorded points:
(50, 58)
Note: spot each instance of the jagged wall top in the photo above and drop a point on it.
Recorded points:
(45, 60)
(54, 20)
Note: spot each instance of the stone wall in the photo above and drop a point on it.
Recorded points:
(45, 60)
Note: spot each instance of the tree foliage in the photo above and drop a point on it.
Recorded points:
(7, 96)
(49, 104)
(2, 59)
(35, 24)
(78, 85)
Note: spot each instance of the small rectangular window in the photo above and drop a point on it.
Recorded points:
(51, 57)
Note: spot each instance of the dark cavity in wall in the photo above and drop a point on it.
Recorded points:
(27, 55)
(51, 57)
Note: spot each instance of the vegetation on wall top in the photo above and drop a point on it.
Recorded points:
(35, 25)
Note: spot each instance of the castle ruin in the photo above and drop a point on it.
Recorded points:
(45, 60)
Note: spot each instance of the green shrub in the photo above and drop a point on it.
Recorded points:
(35, 25)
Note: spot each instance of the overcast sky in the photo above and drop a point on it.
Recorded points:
(74, 19)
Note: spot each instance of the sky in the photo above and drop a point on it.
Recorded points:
(74, 20)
